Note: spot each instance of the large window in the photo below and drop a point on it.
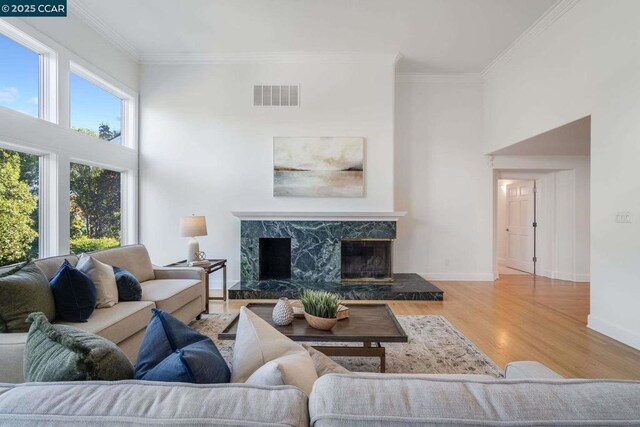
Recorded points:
(95, 208)
(19, 77)
(47, 174)
(19, 210)
(94, 111)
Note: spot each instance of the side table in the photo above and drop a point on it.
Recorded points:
(213, 266)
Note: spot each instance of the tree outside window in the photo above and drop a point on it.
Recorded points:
(19, 211)
(95, 208)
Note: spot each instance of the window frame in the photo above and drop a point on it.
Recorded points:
(47, 71)
(51, 138)
(124, 189)
(46, 162)
(128, 107)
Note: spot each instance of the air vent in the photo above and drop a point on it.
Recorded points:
(277, 96)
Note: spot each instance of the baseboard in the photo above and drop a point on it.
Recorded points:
(459, 277)
(570, 277)
(582, 278)
(623, 335)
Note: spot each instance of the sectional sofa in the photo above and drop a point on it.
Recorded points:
(531, 395)
(179, 291)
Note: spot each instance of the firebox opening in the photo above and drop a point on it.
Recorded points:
(366, 259)
(275, 258)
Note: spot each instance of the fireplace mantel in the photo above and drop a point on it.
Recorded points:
(318, 216)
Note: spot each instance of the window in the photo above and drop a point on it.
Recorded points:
(102, 200)
(94, 111)
(95, 208)
(19, 77)
(19, 206)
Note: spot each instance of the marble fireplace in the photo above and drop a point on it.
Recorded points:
(283, 253)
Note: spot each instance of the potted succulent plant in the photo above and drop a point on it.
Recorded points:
(320, 309)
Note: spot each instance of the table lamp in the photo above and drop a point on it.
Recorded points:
(193, 226)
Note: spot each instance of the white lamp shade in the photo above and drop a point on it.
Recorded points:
(192, 226)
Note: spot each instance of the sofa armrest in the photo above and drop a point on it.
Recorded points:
(195, 273)
(529, 370)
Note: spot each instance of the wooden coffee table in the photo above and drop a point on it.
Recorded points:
(370, 324)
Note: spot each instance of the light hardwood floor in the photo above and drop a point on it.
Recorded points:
(520, 317)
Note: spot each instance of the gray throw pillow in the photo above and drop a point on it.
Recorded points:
(23, 291)
(65, 353)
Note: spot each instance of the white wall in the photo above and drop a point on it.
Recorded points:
(206, 149)
(81, 41)
(586, 63)
(442, 180)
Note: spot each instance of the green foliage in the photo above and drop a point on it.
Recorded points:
(320, 303)
(17, 205)
(88, 244)
(86, 131)
(104, 132)
(95, 202)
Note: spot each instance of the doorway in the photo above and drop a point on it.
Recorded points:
(516, 226)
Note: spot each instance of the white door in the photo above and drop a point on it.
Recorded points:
(520, 226)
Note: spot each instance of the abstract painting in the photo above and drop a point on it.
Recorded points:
(318, 166)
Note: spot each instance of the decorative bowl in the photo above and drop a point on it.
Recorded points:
(320, 323)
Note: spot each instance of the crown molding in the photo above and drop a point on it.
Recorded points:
(534, 31)
(265, 57)
(77, 8)
(438, 78)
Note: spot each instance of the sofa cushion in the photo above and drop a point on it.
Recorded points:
(145, 403)
(134, 258)
(74, 294)
(12, 350)
(171, 294)
(171, 351)
(258, 343)
(23, 292)
(49, 266)
(65, 353)
(397, 399)
(129, 288)
(103, 278)
(118, 322)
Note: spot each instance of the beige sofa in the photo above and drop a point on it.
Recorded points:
(179, 291)
(531, 395)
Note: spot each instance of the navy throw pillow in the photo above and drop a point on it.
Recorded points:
(74, 294)
(173, 352)
(129, 288)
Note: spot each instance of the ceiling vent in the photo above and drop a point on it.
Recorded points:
(277, 96)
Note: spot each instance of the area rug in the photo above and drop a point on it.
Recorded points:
(434, 347)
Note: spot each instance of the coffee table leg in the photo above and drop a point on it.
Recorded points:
(383, 359)
(367, 350)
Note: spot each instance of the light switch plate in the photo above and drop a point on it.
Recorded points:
(624, 217)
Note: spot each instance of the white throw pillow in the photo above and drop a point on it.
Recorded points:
(257, 344)
(103, 278)
(324, 364)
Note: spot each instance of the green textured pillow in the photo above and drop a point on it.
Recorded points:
(23, 291)
(65, 353)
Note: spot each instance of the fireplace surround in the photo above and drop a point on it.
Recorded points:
(349, 254)
(315, 246)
